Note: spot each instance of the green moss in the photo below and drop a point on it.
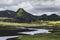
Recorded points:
(20, 12)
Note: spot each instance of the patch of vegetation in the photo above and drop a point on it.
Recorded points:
(52, 36)
(41, 24)
(19, 12)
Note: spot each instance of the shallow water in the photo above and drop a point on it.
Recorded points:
(7, 37)
(36, 31)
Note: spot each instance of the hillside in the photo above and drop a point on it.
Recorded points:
(23, 16)
(7, 13)
(7, 16)
(52, 17)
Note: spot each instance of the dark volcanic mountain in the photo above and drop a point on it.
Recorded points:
(7, 13)
(52, 17)
(43, 17)
(22, 16)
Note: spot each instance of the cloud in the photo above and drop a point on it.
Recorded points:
(45, 7)
(2, 9)
(26, 5)
(35, 7)
(6, 1)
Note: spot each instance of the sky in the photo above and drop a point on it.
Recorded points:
(35, 7)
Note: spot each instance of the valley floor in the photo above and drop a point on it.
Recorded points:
(40, 24)
(53, 36)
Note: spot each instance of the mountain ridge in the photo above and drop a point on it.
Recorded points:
(7, 13)
(22, 16)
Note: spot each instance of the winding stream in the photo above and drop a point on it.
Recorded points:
(35, 31)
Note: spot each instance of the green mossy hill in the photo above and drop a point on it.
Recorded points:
(20, 12)
(24, 16)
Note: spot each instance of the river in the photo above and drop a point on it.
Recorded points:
(35, 31)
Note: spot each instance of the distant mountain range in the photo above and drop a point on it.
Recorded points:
(22, 16)
(7, 13)
(52, 17)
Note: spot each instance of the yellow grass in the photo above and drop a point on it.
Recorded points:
(17, 24)
(48, 24)
(5, 18)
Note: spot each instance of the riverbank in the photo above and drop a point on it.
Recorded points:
(52, 36)
(55, 35)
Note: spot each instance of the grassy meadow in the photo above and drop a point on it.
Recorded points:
(41, 24)
(52, 36)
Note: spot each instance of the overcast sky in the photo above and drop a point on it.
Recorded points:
(35, 7)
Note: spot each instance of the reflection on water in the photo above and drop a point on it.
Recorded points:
(7, 37)
(35, 31)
